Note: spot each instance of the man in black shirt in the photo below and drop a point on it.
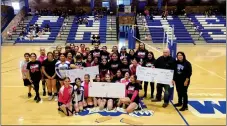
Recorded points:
(164, 62)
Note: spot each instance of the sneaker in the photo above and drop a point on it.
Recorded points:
(178, 105)
(29, 95)
(165, 105)
(183, 109)
(50, 98)
(38, 100)
(35, 98)
(56, 98)
(155, 100)
(44, 93)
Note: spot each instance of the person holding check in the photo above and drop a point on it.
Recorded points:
(164, 62)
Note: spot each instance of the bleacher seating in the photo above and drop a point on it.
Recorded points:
(181, 35)
(55, 24)
(213, 28)
(81, 33)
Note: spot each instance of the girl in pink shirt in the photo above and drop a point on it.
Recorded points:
(133, 66)
(85, 84)
(65, 98)
(125, 80)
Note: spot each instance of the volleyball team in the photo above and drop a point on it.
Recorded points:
(113, 67)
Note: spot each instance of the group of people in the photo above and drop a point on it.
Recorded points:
(115, 66)
(33, 31)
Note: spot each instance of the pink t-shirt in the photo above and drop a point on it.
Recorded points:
(85, 89)
(65, 94)
(42, 58)
(123, 80)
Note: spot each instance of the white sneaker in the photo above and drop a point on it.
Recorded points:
(56, 98)
(50, 98)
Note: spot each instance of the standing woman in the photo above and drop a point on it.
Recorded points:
(62, 64)
(41, 58)
(141, 53)
(34, 74)
(24, 73)
(149, 62)
(182, 76)
(48, 69)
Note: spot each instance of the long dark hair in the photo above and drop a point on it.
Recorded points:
(150, 52)
(78, 86)
(182, 53)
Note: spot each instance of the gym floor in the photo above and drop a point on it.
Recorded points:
(208, 83)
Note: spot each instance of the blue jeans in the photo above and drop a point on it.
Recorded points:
(166, 93)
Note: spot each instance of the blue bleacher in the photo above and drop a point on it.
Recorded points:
(210, 32)
(87, 34)
(54, 30)
(180, 32)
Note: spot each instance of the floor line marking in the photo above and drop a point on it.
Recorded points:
(195, 65)
(179, 113)
(207, 89)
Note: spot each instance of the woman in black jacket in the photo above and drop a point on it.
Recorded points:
(149, 62)
(182, 76)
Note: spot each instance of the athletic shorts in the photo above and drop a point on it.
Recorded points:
(26, 82)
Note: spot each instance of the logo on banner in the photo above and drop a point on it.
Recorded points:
(210, 108)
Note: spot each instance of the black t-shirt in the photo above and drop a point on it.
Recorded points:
(114, 66)
(141, 55)
(148, 63)
(49, 66)
(34, 70)
(96, 53)
(80, 64)
(105, 55)
(116, 79)
(124, 68)
(131, 88)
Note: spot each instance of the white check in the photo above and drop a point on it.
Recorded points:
(162, 76)
(108, 90)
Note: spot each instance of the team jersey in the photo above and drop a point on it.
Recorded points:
(59, 66)
(65, 94)
(123, 80)
(86, 89)
(132, 91)
(78, 94)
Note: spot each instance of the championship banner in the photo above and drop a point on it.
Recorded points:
(79, 73)
(107, 90)
(162, 76)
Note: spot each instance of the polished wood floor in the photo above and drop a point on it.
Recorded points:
(209, 77)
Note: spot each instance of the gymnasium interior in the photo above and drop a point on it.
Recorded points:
(196, 27)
